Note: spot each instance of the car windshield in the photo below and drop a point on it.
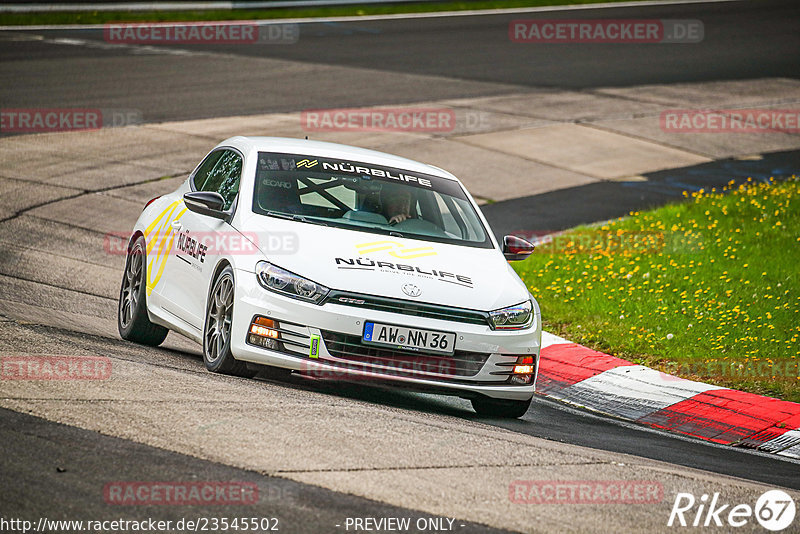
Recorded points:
(366, 197)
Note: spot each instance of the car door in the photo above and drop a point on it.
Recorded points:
(201, 239)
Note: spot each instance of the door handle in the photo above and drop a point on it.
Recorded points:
(176, 224)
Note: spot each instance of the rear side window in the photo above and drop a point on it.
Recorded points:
(221, 172)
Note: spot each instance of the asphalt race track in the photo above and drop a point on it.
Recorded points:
(322, 452)
(365, 63)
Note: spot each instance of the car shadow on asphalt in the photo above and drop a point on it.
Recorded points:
(376, 393)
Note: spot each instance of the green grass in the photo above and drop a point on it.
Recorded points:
(706, 289)
(100, 17)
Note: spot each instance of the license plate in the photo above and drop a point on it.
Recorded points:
(414, 339)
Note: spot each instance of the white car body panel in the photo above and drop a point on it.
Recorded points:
(353, 261)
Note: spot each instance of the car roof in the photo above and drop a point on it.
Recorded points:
(331, 150)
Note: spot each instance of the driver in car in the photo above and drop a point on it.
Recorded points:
(396, 205)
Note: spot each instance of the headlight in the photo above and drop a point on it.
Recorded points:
(282, 281)
(512, 318)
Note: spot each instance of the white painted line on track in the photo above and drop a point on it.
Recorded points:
(401, 16)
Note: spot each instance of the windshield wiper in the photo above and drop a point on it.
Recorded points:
(294, 217)
(280, 215)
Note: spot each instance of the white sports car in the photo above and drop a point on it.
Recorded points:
(335, 262)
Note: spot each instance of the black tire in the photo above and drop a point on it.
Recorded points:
(507, 409)
(132, 320)
(217, 329)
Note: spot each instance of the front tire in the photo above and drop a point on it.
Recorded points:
(217, 331)
(504, 408)
(133, 322)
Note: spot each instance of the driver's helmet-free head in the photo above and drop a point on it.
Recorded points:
(395, 200)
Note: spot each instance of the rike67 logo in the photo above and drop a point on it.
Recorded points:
(774, 510)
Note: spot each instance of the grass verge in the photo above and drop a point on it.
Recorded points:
(100, 17)
(705, 289)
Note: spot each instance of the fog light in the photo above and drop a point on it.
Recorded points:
(263, 333)
(259, 330)
(264, 342)
(521, 379)
(523, 369)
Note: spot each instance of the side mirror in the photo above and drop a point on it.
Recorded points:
(208, 203)
(515, 248)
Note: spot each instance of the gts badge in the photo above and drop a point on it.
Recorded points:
(190, 246)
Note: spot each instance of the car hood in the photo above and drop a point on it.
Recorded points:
(376, 264)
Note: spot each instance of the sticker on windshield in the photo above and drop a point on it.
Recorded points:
(369, 198)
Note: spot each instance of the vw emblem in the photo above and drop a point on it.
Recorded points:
(411, 290)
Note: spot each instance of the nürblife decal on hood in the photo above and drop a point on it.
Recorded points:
(368, 264)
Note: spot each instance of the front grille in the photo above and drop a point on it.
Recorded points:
(349, 347)
(405, 307)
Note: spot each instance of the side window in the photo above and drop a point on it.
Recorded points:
(221, 172)
(201, 176)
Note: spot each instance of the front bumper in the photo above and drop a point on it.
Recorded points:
(479, 366)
